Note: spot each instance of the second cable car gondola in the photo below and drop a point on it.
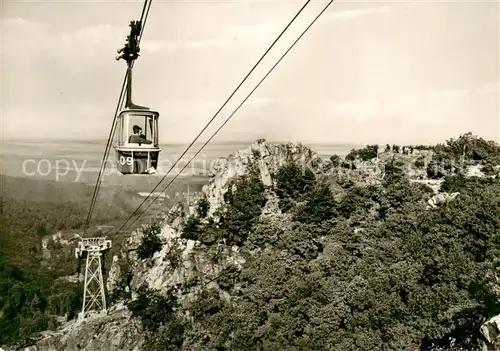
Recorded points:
(136, 141)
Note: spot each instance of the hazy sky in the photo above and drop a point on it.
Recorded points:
(367, 71)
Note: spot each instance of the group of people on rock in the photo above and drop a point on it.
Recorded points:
(405, 150)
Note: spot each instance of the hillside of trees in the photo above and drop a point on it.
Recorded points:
(33, 298)
(371, 269)
(374, 270)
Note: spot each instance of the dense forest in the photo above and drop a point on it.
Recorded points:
(373, 270)
(370, 269)
(33, 297)
(30, 295)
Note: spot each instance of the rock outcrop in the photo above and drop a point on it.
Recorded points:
(114, 332)
(265, 157)
(491, 333)
(440, 199)
(114, 275)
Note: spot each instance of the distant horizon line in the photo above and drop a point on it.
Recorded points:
(229, 142)
(248, 141)
(238, 142)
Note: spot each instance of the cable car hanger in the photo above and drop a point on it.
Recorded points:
(130, 53)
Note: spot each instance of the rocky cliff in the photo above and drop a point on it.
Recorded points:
(179, 261)
(182, 262)
(265, 157)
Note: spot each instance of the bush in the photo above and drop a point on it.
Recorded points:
(437, 170)
(151, 242)
(349, 165)
(192, 228)
(206, 304)
(256, 153)
(335, 160)
(320, 206)
(367, 153)
(352, 155)
(168, 337)
(153, 309)
(419, 162)
(357, 199)
(228, 277)
(244, 203)
(468, 148)
(488, 169)
(393, 171)
(203, 207)
(120, 293)
(174, 256)
(293, 182)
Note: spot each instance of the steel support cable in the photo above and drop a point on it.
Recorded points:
(143, 11)
(216, 114)
(121, 100)
(230, 116)
(105, 156)
(144, 18)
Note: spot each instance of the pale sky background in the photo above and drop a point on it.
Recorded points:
(367, 71)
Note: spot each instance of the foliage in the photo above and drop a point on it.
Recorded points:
(30, 295)
(393, 171)
(203, 207)
(472, 148)
(121, 292)
(29, 299)
(423, 147)
(153, 309)
(409, 279)
(357, 201)
(352, 155)
(174, 256)
(191, 228)
(228, 278)
(419, 162)
(368, 152)
(244, 202)
(167, 337)
(335, 160)
(319, 206)
(243, 205)
(31, 210)
(292, 181)
(256, 153)
(415, 278)
(468, 148)
(151, 242)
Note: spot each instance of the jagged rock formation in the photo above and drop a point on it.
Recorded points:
(266, 157)
(114, 275)
(177, 262)
(175, 216)
(271, 208)
(491, 333)
(441, 198)
(114, 332)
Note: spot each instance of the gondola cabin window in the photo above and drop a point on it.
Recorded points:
(138, 129)
(136, 142)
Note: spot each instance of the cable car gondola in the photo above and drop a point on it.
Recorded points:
(137, 139)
